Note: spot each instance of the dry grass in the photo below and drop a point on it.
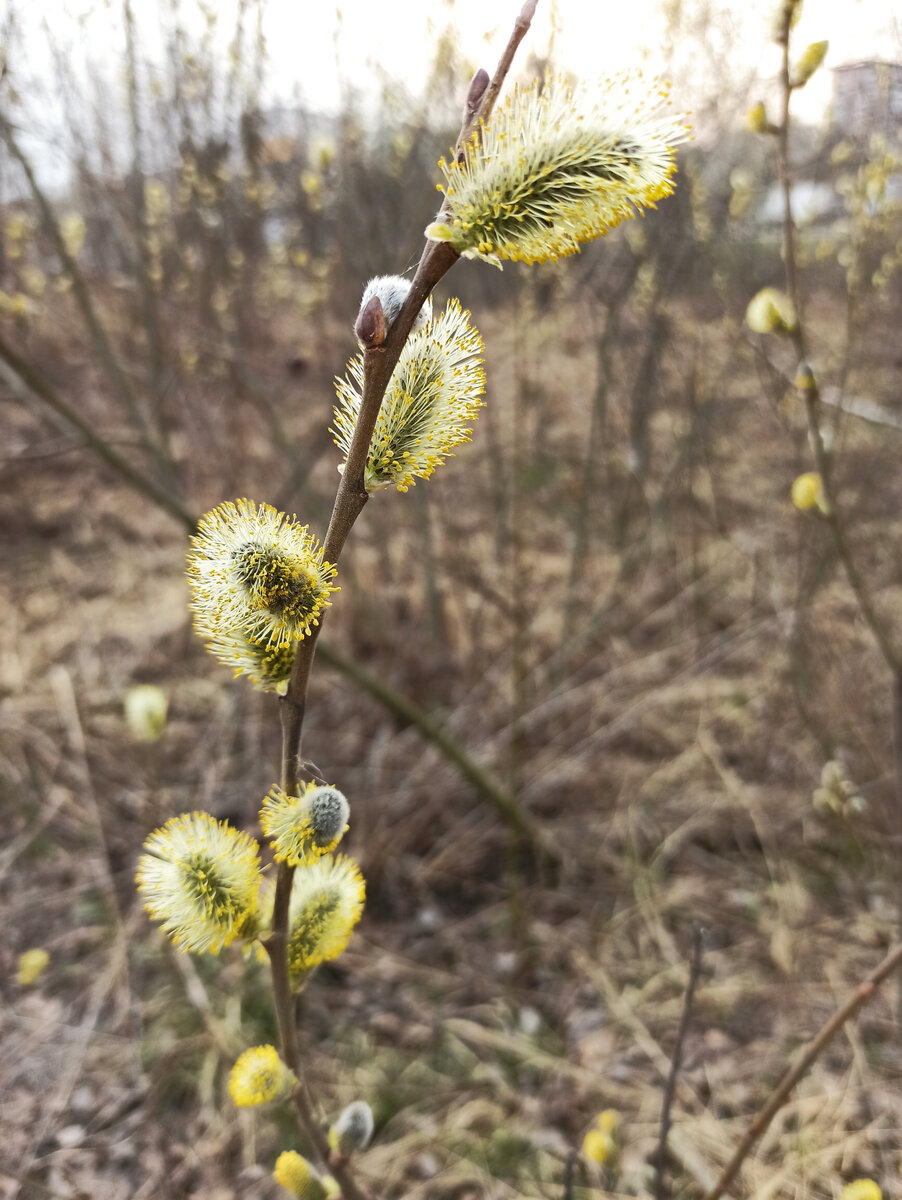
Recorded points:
(490, 1004)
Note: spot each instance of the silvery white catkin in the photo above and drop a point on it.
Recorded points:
(353, 1129)
(392, 292)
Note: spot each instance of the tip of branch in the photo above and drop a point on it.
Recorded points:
(370, 327)
(477, 90)
(528, 11)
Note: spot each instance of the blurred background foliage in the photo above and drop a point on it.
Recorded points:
(607, 598)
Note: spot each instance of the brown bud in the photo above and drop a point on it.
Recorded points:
(477, 90)
(370, 327)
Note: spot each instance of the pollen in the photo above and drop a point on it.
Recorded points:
(268, 666)
(257, 573)
(556, 167)
(432, 399)
(326, 903)
(303, 828)
(200, 879)
(259, 1076)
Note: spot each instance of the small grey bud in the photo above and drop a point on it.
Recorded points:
(392, 292)
(329, 812)
(353, 1129)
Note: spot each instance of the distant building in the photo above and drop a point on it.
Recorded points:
(867, 99)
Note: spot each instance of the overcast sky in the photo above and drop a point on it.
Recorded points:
(311, 44)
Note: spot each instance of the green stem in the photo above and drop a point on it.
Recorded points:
(451, 749)
(26, 379)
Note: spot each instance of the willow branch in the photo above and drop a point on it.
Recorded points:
(148, 294)
(806, 379)
(695, 968)
(379, 362)
(490, 96)
(780, 1095)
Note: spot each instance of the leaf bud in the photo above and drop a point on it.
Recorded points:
(756, 118)
(812, 58)
(353, 1129)
(389, 293)
(771, 311)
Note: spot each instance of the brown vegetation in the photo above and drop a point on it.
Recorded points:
(607, 599)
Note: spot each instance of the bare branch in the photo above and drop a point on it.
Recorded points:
(780, 1095)
(695, 967)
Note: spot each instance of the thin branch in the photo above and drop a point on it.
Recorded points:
(25, 379)
(378, 364)
(806, 379)
(780, 1095)
(569, 1174)
(136, 185)
(338, 1166)
(452, 750)
(897, 737)
(808, 385)
(102, 345)
(521, 28)
(695, 967)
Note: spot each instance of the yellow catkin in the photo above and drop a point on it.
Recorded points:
(555, 167)
(598, 1146)
(432, 400)
(254, 569)
(32, 964)
(200, 878)
(861, 1189)
(298, 1177)
(807, 491)
(258, 1077)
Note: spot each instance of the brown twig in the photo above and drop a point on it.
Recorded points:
(569, 1174)
(484, 111)
(452, 750)
(808, 386)
(139, 203)
(780, 1095)
(805, 377)
(379, 361)
(695, 967)
(897, 736)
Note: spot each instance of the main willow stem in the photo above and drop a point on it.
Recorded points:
(378, 364)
